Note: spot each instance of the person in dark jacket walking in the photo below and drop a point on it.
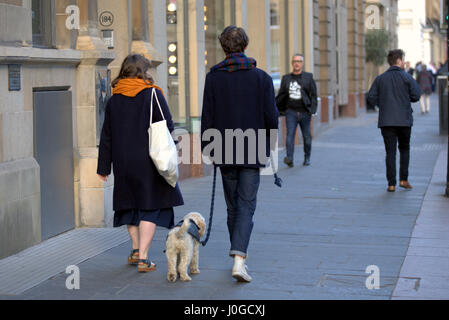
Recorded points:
(393, 91)
(142, 198)
(425, 79)
(238, 97)
(297, 97)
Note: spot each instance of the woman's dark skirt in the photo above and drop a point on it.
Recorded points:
(161, 217)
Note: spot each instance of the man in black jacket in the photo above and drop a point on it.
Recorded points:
(393, 91)
(297, 98)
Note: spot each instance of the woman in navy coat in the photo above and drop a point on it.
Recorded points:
(142, 199)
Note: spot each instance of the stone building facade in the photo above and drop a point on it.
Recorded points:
(339, 63)
(56, 66)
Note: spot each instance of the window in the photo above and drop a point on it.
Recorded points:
(177, 61)
(275, 36)
(43, 23)
(274, 13)
(214, 24)
(217, 16)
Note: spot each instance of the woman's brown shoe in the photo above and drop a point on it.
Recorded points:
(405, 185)
(391, 189)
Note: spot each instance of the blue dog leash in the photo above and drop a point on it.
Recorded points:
(211, 207)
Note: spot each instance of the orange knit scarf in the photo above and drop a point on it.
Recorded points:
(131, 87)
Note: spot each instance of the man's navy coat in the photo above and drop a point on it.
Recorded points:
(242, 99)
(393, 91)
(124, 144)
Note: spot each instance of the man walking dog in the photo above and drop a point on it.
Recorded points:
(238, 97)
(297, 97)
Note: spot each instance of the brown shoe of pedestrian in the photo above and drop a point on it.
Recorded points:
(404, 184)
(391, 189)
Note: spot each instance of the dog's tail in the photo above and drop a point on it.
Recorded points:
(183, 229)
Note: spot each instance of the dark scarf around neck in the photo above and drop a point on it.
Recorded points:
(235, 62)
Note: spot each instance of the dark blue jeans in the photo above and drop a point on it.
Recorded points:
(292, 119)
(240, 186)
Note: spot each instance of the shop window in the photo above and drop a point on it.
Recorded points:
(213, 26)
(217, 16)
(177, 61)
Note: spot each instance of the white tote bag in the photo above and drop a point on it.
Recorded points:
(163, 150)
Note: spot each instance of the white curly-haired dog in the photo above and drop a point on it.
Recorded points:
(182, 247)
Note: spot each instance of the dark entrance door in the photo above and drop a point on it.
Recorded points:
(53, 150)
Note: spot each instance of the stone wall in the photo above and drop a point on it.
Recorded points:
(20, 210)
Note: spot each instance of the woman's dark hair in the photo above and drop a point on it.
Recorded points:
(134, 66)
(233, 40)
(394, 55)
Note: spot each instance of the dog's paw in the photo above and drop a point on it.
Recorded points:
(194, 271)
(171, 277)
(185, 278)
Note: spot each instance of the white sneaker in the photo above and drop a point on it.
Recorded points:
(239, 270)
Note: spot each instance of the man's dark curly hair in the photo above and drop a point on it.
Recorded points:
(233, 40)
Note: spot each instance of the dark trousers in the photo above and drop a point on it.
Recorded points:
(292, 119)
(393, 135)
(240, 186)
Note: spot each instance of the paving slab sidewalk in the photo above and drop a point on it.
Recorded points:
(425, 272)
